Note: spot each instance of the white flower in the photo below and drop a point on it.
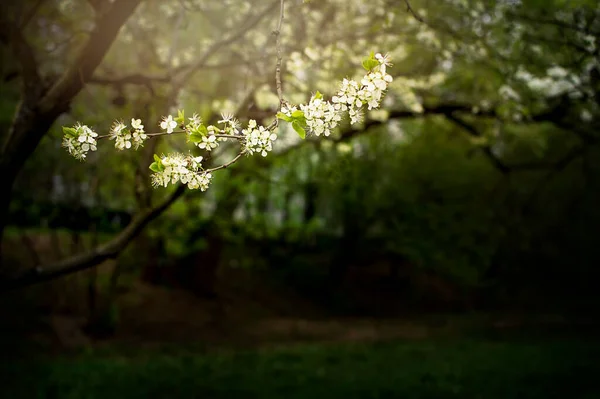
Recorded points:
(80, 142)
(123, 142)
(200, 181)
(232, 125)
(321, 116)
(384, 61)
(138, 137)
(195, 121)
(184, 169)
(121, 135)
(258, 139)
(208, 142)
(137, 124)
(117, 128)
(288, 110)
(168, 124)
(373, 86)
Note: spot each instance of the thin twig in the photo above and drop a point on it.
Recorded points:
(410, 10)
(155, 134)
(277, 34)
(234, 160)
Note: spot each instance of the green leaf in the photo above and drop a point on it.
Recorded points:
(298, 114)
(156, 158)
(69, 131)
(282, 116)
(180, 117)
(154, 167)
(202, 129)
(196, 137)
(299, 129)
(318, 95)
(369, 63)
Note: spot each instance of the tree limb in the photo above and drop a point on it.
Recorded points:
(12, 35)
(410, 10)
(201, 61)
(92, 258)
(92, 53)
(498, 164)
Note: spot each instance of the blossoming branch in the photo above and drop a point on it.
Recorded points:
(317, 117)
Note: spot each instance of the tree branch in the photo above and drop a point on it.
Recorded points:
(498, 164)
(97, 255)
(278, 65)
(201, 61)
(410, 10)
(92, 53)
(12, 35)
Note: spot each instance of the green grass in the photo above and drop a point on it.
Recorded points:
(410, 369)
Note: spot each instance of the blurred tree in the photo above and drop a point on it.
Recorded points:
(515, 82)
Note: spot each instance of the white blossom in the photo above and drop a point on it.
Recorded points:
(137, 124)
(81, 141)
(321, 116)
(258, 139)
(184, 169)
(168, 124)
(232, 125)
(288, 110)
(195, 121)
(208, 142)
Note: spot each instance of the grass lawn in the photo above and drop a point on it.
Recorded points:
(449, 368)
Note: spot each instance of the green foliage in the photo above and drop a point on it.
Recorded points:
(157, 165)
(69, 131)
(180, 117)
(370, 62)
(297, 119)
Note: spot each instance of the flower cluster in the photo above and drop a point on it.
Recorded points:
(347, 99)
(232, 125)
(321, 116)
(353, 95)
(258, 138)
(79, 140)
(138, 134)
(318, 117)
(124, 137)
(177, 167)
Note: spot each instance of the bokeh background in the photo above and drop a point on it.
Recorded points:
(447, 246)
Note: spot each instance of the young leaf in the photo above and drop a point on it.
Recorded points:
(69, 131)
(282, 116)
(154, 167)
(298, 113)
(202, 129)
(195, 137)
(369, 63)
(156, 158)
(299, 129)
(318, 95)
(180, 117)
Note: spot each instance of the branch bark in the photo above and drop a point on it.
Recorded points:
(92, 258)
(38, 108)
(100, 40)
(12, 35)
